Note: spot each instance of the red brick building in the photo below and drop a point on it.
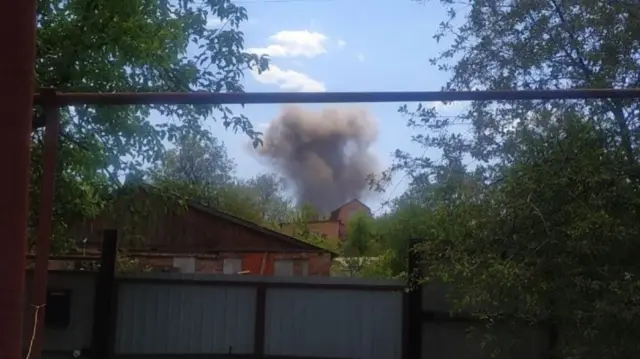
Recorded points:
(336, 226)
(200, 239)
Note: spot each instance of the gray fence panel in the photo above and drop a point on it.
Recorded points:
(78, 334)
(179, 319)
(334, 323)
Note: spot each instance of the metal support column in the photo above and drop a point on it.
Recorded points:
(17, 63)
(43, 234)
(102, 341)
(413, 304)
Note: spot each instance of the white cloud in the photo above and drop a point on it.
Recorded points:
(341, 43)
(360, 57)
(294, 43)
(289, 80)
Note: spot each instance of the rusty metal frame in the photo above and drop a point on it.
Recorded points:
(17, 64)
(17, 33)
(51, 101)
(37, 301)
(204, 98)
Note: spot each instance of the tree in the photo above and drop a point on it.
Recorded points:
(268, 189)
(141, 46)
(299, 219)
(588, 44)
(543, 225)
(135, 46)
(197, 161)
(199, 168)
(236, 200)
(361, 236)
(396, 229)
(80, 192)
(361, 242)
(554, 240)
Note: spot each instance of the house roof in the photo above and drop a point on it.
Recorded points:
(336, 212)
(275, 235)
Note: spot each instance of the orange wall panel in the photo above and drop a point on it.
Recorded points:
(253, 262)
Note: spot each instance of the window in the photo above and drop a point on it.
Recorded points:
(232, 266)
(304, 268)
(185, 264)
(58, 312)
(283, 268)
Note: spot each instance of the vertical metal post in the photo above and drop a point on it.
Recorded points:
(260, 321)
(413, 305)
(553, 331)
(17, 64)
(43, 234)
(103, 310)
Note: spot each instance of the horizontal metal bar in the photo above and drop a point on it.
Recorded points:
(201, 98)
(383, 287)
(215, 356)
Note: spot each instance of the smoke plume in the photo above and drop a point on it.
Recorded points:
(324, 154)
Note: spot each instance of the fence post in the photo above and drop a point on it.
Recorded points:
(102, 341)
(260, 321)
(412, 331)
(35, 321)
(553, 332)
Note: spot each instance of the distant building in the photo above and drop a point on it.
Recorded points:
(201, 239)
(335, 227)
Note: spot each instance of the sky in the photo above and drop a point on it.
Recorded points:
(340, 45)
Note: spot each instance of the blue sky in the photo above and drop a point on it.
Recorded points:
(341, 45)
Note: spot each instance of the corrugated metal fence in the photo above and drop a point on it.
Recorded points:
(281, 317)
(178, 316)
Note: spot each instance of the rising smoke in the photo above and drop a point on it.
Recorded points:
(324, 154)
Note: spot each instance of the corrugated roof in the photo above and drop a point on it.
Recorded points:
(243, 222)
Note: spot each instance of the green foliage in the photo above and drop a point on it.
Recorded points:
(199, 169)
(307, 212)
(369, 250)
(395, 231)
(197, 160)
(136, 46)
(230, 198)
(361, 236)
(554, 239)
(128, 264)
(236, 200)
(79, 193)
(300, 221)
(545, 224)
(299, 218)
(379, 266)
(274, 206)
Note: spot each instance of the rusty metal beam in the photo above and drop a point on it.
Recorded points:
(17, 64)
(43, 234)
(202, 98)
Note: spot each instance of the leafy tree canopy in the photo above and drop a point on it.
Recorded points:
(131, 46)
(534, 210)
